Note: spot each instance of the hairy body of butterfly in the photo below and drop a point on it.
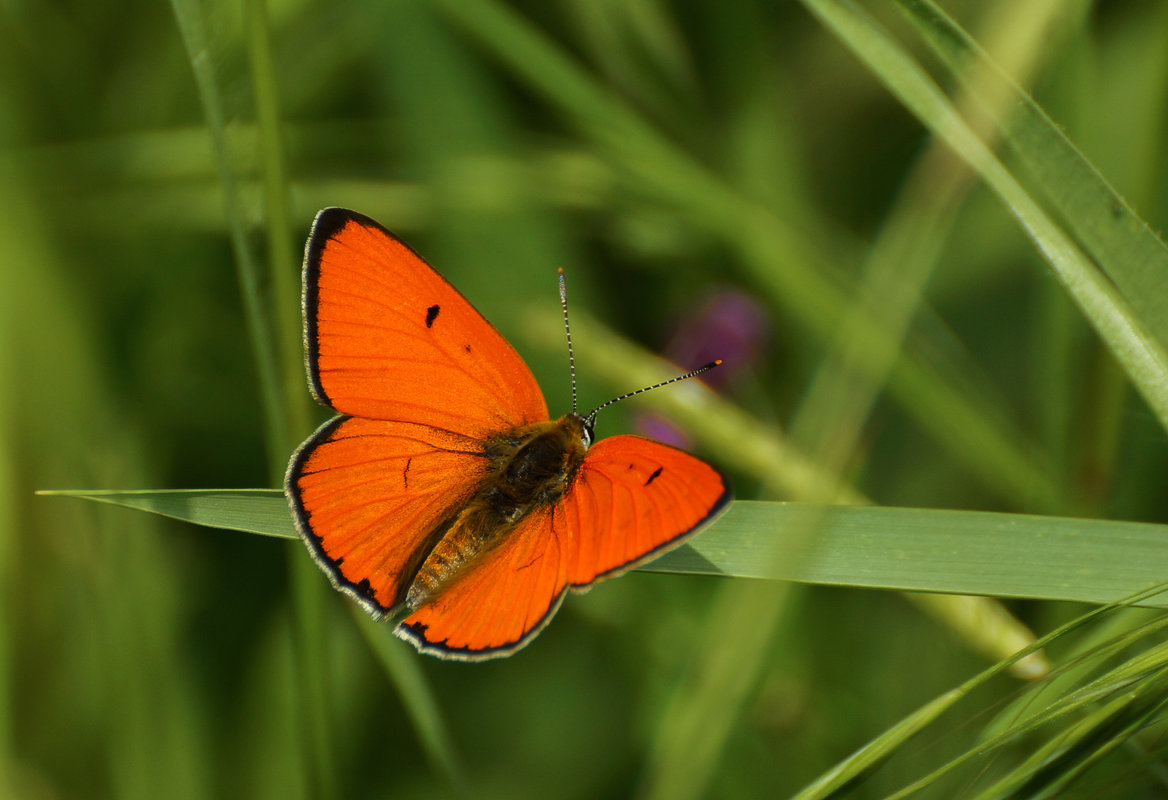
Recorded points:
(441, 494)
(527, 469)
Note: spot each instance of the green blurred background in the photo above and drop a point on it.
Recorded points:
(146, 658)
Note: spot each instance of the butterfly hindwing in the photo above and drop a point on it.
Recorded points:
(369, 495)
(631, 500)
(387, 337)
(497, 606)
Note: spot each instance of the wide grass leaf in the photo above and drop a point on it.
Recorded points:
(909, 549)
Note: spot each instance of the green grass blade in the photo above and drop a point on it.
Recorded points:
(262, 511)
(959, 552)
(1142, 357)
(1129, 701)
(283, 252)
(909, 549)
(1110, 688)
(404, 670)
(1063, 759)
(880, 749)
(203, 52)
(1127, 249)
(268, 296)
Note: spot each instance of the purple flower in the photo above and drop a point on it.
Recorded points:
(730, 325)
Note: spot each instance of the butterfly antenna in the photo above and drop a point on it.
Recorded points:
(591, 418)
(568, 333)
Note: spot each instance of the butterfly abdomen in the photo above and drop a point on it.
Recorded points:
(529, 469)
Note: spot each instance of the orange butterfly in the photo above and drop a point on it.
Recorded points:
(442, 495)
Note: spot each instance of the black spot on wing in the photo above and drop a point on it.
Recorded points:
(432, 314)
(406, 474)
(466, 347)
(657, 472)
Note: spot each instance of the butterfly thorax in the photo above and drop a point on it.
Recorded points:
(527, 469)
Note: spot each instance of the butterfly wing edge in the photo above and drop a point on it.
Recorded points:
(326, 225)
(405, 632)
(314, 542)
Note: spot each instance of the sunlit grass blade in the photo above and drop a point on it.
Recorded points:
(909, 549)
(1127, 249)
(1141, 356)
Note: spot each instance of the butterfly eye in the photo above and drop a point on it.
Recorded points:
(588, 434)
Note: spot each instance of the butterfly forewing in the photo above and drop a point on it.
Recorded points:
(387, 337)
(425, 378)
